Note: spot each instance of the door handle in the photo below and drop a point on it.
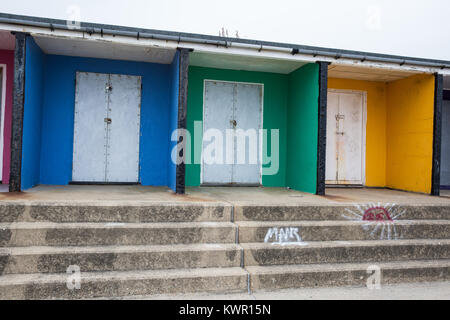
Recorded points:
(233, 123)
(108, 120)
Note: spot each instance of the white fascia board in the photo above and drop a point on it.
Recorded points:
(233, 49)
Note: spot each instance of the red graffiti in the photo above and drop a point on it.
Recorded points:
(378, 214)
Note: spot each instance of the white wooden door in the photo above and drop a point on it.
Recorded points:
(230, 109)
(345, 138)
(106, 128)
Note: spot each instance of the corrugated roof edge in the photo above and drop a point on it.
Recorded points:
(207, 39)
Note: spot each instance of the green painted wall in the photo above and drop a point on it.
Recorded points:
(274, 113)
(302, 124)
(290, 105)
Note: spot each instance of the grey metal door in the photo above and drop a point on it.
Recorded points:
(218, 115)
(445, 160)
(248, 115)
(124, 129)
(106, 128)
(90, 128)
(233, 115)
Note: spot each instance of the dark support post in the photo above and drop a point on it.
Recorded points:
(182, 118)
(17, 113)
(437, 134)
(322, 140)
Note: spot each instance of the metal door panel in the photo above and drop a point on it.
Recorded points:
(332, 129)
(445, 150)
(218, 114)
(248, 109)
(89, 154)
(350, 150)
(124, 129)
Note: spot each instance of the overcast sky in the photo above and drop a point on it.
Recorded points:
(418, 28)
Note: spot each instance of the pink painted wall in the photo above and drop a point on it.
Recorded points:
(7, 57)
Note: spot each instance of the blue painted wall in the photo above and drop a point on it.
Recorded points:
(173, 117)
(51, 137)
(32, 129)
(58, 116)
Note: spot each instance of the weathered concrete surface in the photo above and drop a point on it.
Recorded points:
(332, 275)
(404, 291)
(111, 284)
(115, 233)
(24, 234)
(256, 231)
(261, 254)
(321, 212)
(112, 211)
(236, 196)
(119, 258)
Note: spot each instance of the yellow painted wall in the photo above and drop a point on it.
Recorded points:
(410, 110)
(376, 126)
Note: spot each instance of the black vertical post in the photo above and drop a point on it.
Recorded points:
(17, 113)
(182, 118)
(322, 129)
(437, 134)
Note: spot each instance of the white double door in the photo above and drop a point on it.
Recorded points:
(232, 114)
(345, 138)
(106, 128)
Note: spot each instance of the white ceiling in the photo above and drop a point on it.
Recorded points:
(368, 74)
(7, 41)
(104, 50)
(235, 62)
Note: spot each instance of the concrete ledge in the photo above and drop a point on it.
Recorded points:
(22, 234)
(345, 252)
(112, 211)
(54, 286)
(256, 231)
(336, 275)
(120, 258)
(320, 212)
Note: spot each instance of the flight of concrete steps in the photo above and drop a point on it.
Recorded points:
(134, 249)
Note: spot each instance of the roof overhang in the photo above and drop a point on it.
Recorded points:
(103, 50)
(229, 53)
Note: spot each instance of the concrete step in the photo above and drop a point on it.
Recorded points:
(265, 254)
(257, 231)
(113, 211)
(115, 284)
(117, 258)
(22, 234)
(311, 212)
(337, 275)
